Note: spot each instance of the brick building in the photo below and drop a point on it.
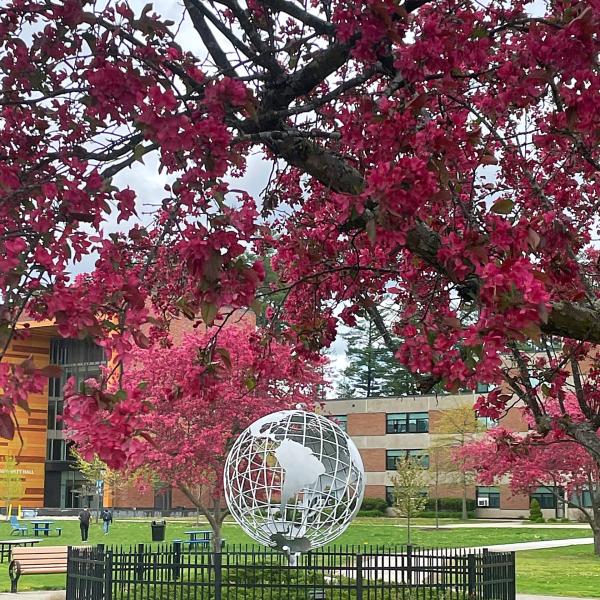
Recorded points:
(385, 429)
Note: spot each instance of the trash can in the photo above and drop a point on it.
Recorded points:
(158, 531)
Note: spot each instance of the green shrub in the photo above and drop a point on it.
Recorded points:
(450, 504)
(446, 514)
(552, 520)
(535, 512)
(374, 504)
(564, 520)
(370, 513)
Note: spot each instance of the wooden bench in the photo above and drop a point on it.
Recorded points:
(36, 561)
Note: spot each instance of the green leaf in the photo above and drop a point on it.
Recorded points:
(138, 153)
(503, 207)
(371, 230)
(209, 311)
(250, 382)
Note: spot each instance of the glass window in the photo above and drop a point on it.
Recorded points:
(408, 422)
(546, 496)
(341, 420)
(389, 494)
(584, 498)
(482, 388)
(487, 422)
(56, 450)
(491, 493)
(392, 456)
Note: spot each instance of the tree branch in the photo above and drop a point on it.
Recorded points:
(200, 25)
(294, 10)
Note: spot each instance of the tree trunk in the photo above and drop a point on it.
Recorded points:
(465, 516)
(596, 533)
(408, 528)
(437, 513)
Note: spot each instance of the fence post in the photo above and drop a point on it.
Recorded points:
(471, 575)
(176, 559)
(512, 584)
(218, 575)
(359, 576)
(70, 565)
(139, 559)
(409, 564)
(108, 578)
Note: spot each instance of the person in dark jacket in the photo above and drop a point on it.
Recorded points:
(106, 520)
(84, 523)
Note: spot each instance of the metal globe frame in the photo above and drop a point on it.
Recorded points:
(294, 480)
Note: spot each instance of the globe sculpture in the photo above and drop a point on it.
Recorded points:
(294, 481)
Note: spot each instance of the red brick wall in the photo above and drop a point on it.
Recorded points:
(375, 491)
(514, 420)
(508, 501)
(366, 424)
(373, 459)
(130, 497)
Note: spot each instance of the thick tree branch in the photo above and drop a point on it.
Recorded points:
(209, 40)
(296, 11)
(565, 319)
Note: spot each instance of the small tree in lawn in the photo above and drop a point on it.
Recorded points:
(409, 481)
(11, 484)
(189, 404)
(439, 461)
(458, 427)
(535, 512)
(96, 470)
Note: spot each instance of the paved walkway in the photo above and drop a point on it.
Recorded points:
(535, 545)
(55, 595)
(530, 597)
(510, 525)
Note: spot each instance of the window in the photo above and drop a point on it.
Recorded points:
(584, 498)
(56, 449)
(546, 496)
(492, 494)
(487, 422)
(408, 422)
(392, 456)
(389, 494)
(341, 420)
(482, 388)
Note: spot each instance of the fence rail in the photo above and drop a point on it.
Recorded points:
(168, 572)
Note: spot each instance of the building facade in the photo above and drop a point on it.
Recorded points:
(43, 459)
(386, 429)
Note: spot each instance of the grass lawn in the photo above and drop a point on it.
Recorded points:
(573, 571)
(362, 531)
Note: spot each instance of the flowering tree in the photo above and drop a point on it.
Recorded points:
(529, 460)
(442, 152)
(187, 410)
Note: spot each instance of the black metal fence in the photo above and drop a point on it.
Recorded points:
(169, 572)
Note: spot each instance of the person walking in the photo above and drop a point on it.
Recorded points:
(84, 523)
(106, 520)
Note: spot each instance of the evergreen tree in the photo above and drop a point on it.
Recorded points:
(372, 369)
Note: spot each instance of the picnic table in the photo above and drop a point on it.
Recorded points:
(42, 527)
(6, 546)
(199, 535)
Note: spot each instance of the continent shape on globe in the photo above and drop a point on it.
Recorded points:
(300, 466)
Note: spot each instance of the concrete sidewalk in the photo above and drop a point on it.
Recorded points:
(530, 597)
(536, 545)
(509, 525)
(40, 595)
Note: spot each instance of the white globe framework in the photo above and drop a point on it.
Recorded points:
(294, 480)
